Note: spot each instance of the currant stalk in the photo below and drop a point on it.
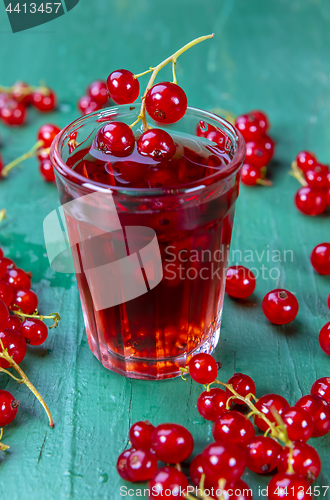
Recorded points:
(29, 154)
(54, 316)
(3, 446)
(2, 214)
(298, 174)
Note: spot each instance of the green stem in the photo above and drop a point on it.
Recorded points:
(54, 316)
(18, 160)
(2, 446)
(3, 214)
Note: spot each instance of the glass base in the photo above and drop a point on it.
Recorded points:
(152, 369)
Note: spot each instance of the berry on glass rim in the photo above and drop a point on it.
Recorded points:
(47, 134)
(4, 315)
(15, 345)
(319, 410)
(321, 387)
(280, 306)
(268, 404)
(116, 138)
(6, 293)
(47, 171)
(252, 125)
(203, 129)
(98, 91)
(243, 385)
(211, 404)
(299, 423)
(17, 279)
(13, 113)
(288, 487)
(320, 258)
(233, 427)
(34, 331)
(172, 443)
(86, 104)
(140, 434)
(311, 201)
(304, 460)
(324, 337)
(8, 408)
(122, 464)
(141, 465)
(123, 86)
(26, 300)
(14, 323)
(166, 102)
(306, 160)
(169, 483)
(223, 461)
(262, 454)
(203, 368)
(156, 144)
(44, 99)
(240, 282)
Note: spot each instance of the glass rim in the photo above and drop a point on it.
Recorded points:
(231, 168)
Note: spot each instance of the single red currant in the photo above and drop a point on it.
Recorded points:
(4, 315)
(47, 134)
(141, 465)
(169, 483)
(315, 178)
(162, 177)
(122, 464)
(156, 144)
(280, 306)
(17, 279)
(98, 91)
(304, 459)
(203, 368)
(140, 434)
(299, 423)
(311, 201)
(306, 160)
(203, 129)
(320, 258)
(26, 300)
(288, 487)
(211, 404)
(87, 105)
(47, 171)
(321, 387)
(319, 410)
(5, 264)
(129, 171)
(240, 282)
(250, 174)
(259, 153)
(123, 86)
(268, 404)
(324, 337)
(252, 125)
(196, 470)
(44, 100)
(43, 154)
(116, 138)
(14, 323)
(321, 168)
(8, 408)
(13, 113)
(172, 443)
(166, 102)
(262, 454)
(239, 491)
(243, 385)
(34, 331)
(6, 293)
(21, 92)
(233, 427)
(15, 345)
(223, 461)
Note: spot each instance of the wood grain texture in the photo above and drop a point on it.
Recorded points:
(268, 55)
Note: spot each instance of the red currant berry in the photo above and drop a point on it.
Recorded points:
(233, 427)
(172, 443)
(299, 424)
(44, 100)
(15, 345)
(304, 459)
(34, 331)
(223, 461)
(116, 138)
(43, 154)
(203, 129)
(252, 125)
(14, 323)
(306, 160)
(288, 487)
(129, 171)
(328, 197)
(4, 315)
(324, 337)
(262, 454)
(239, 491)
(87, 105)
(162, 177)
(122, 464)
(319, 410)
(141, 465)
(21, 92)
(140, 434)
(259, 153)
(268, 404)
(211, 404)
(5, 264)
(240, 282)
(243, 385)
(47, 134)
(13, 113)
(157, 144)
(311, 201)
(17, 279)
(320, 258)
(168, 483)
(203, 368)
(166, 102)
(47, 171)
(1, 253)
(26, 300)
(8, 408)
(321, 387)
(250, 174)
(321, 168)
(6, 293)
(280, 306)
(196, 470)
(315, 179)
(123, 86)
(98, 91)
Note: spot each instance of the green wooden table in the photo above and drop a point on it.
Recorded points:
(272, 55)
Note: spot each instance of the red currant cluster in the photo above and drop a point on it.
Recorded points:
(313, 197)
(96, 98)
(260, 147)
(15, 100)
(216, 472)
